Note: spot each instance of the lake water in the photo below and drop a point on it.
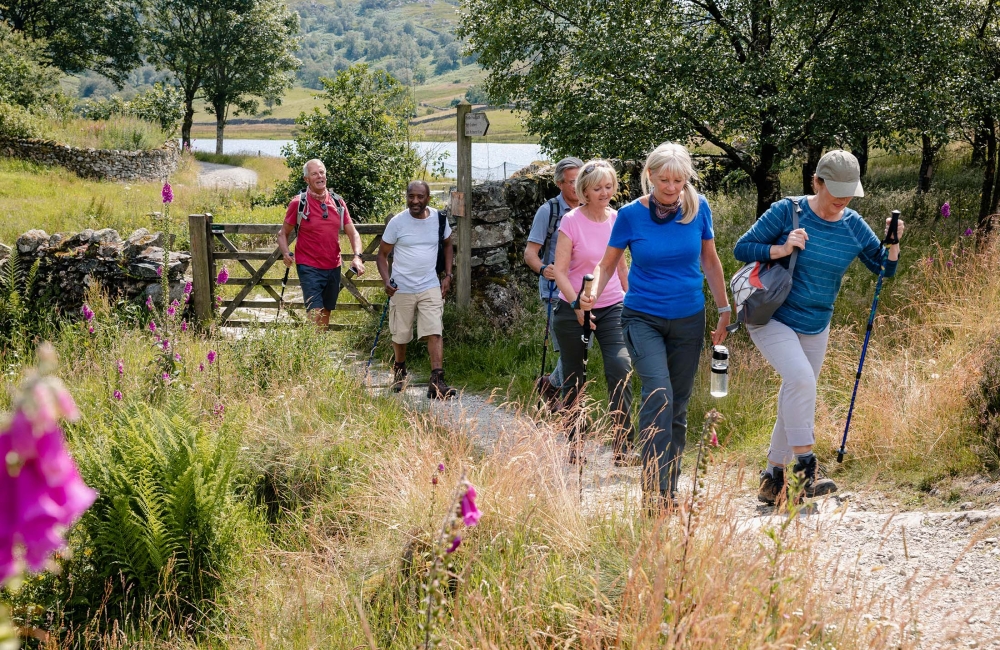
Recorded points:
(489, 161)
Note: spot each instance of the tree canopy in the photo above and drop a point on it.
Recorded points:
(362, 136)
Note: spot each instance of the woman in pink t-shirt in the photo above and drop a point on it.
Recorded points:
(583, 237)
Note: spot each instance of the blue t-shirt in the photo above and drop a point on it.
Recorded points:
(820, 267)
(666, 278)
(538, 235)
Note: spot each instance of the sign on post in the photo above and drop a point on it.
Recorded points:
(476, 125)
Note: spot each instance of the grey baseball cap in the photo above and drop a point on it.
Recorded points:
(841, 173)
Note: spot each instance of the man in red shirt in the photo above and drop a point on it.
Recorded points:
(317, 251)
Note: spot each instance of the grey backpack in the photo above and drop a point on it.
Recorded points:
(759, 288)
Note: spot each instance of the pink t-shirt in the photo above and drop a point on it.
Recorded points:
(590, 240)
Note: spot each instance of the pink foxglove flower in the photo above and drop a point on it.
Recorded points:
(159, 271)
(118, 395)
(166, 377)
(454, 544)
(149, 303)
(440, 467)
(90, 330)
(223, 276)
(470, 513)
(946, 210)
(188, 287)
(184, 326)
(219, 409)
(201, 367)
(167, 194)
(171, 310)
(88, 313)
(211, 356)
(177, 356)
(41, 492)
(152, 326)
(165, 344)
(968, 232)
(121, 366)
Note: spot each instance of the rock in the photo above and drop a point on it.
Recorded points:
(499, 303)
(968, 505)
(156, 290)
(495, 215)
(140, 240)
(30, 241)
(492, 235)
(4, 252)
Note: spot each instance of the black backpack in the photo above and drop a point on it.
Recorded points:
(439, 267)
(554, 219)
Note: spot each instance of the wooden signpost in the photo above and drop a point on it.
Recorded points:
(469, 125)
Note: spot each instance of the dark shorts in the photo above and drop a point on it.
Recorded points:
(319, 286)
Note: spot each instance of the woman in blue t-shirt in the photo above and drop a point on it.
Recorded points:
(669, 232)
(829, 237)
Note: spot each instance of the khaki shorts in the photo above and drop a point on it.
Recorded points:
(427, 306)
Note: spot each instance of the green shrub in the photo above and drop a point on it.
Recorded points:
(164, 533)
(16, 122)
(161, 104)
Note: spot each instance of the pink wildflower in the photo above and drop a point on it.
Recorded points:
(177, 356)
(118, 395)
(167, 193)
(159, 271)
(166, 344)
(223, 276)
(968, 232)
(184, 326)
(90, 330)
(454, 544)
(149, 303)
(88, 313)
(171, 310)
(201, 367)
(211, 356)
(121, 366)
(440, 467)
(470, 513)
(946, 210)
(434, 480)
(166, 376)
(218, 409)
(188, 288)
(152, 326)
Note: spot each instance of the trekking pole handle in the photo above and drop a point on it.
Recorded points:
(892, 234)
(588, 281)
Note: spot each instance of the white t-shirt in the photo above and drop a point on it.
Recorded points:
(415, 246)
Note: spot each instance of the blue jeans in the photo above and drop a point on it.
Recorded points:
(665, 355)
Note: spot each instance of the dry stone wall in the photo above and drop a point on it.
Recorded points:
(69, 264)
(114, 165)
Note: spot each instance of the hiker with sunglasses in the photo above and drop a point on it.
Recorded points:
(669, 233)
(583, 236)
(318, 222)
(828, 238)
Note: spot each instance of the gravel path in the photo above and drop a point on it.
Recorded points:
(225, 177)
(940, 568)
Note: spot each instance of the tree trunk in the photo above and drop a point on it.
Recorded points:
(188, 121)
(220, 127)
(860, 152)
(928, 152)
(765, 178)
(813, 153)
(979, 145)
(989, 177)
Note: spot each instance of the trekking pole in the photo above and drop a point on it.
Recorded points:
(891, 237)
(378, 332)
(588, 280)
(545, 342)
(284, 282)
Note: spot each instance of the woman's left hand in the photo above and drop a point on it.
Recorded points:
(720, 333)
(900, 227)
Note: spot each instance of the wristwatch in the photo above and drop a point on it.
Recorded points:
(449, 276)
(723, 310)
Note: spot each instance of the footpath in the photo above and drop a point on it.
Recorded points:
(942, 569)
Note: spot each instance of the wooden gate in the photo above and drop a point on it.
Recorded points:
(210, 244)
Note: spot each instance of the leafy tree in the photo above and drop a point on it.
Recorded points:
(252, 57)
(102, 35)
(616, 78)
(26, 77)
(160, 104)
(362, 136)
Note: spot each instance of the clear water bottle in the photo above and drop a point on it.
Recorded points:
(720, 371)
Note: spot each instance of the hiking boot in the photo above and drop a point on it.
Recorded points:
(772, 487)
(810, 486)
(576, 457)
(437, 389)
(398, 376)
(548, 393)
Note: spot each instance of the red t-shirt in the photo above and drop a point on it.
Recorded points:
(318, 242)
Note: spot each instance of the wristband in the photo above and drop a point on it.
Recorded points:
(576, 303)
(541, 270)
(449, 276)
(725, 310)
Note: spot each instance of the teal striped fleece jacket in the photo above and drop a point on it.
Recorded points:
(820, 268)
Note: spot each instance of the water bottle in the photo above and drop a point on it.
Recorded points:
(720, 371)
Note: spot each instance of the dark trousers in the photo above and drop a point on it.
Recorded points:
(665, 355)
(616, 362)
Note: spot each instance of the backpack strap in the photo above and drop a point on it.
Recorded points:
(554, 219)
(303, 205)
(338, 202)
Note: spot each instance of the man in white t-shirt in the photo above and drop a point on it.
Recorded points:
(414, 237)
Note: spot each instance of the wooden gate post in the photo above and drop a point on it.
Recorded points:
(201, 267)
(463, 274)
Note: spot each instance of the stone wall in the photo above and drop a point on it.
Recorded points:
(114, 165)
(68, 264)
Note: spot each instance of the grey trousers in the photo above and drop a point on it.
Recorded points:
(556, 376)
(665, 354)
(616, 362)
(798, 358)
